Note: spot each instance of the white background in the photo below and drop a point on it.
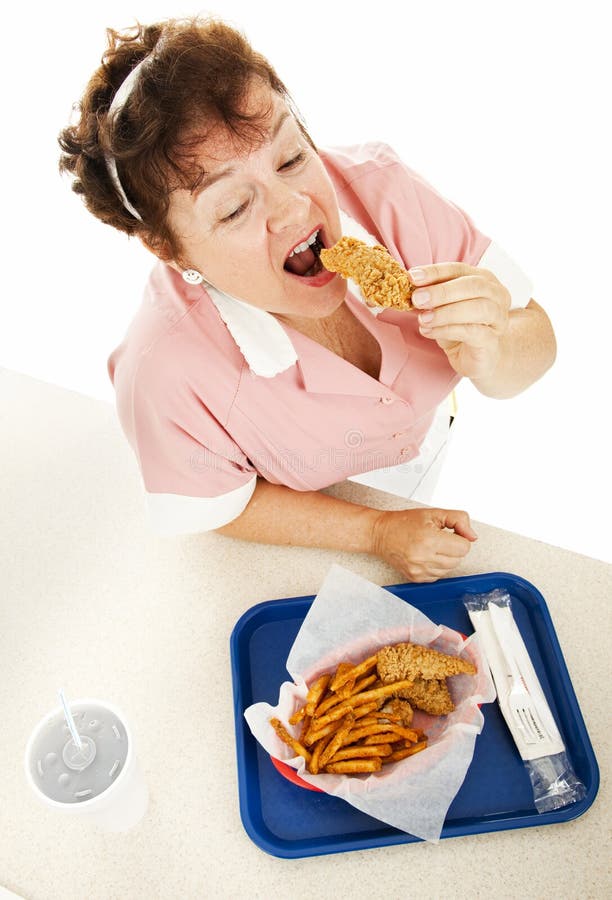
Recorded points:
(503, 107)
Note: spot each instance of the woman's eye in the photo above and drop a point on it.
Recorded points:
(235, 214)
(296, 159)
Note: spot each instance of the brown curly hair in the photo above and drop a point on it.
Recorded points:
(196, 80)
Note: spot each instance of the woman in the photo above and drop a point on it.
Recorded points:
(251, 377)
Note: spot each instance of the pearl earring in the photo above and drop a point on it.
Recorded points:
(192, 276)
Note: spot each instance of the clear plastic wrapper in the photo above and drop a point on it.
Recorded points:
(523, 703)
(554, 783)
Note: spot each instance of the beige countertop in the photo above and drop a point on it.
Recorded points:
(92, 601)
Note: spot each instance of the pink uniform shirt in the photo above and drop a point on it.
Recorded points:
(212, 393)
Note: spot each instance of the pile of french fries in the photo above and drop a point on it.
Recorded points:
(343, 730)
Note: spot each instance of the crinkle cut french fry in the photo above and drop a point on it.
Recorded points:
(361, 752)
(354, 766)
(316, 692)
(366, 666)
(407, 751)
(336, 742)
(284, 735)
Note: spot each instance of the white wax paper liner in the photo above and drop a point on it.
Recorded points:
(350, 619)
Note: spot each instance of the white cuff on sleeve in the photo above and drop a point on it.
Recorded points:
(172, 514)
(509, 273)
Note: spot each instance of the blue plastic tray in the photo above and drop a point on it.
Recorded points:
(289, 821)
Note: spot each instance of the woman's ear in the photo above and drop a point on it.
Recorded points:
(159, 249)
(191, 276)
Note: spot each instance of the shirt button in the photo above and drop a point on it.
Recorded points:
(386, 399)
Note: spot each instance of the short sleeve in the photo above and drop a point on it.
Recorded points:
(417, 223)
(196, 478)
(453, 235)
(509, 273)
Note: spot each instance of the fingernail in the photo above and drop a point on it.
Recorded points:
(421, 298)
(417, 275)
(425, 318)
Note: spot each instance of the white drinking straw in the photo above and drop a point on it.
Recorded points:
(75, 734)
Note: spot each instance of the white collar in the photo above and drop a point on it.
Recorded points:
(260, 337)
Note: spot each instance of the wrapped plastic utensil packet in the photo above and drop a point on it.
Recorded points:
(523, 703)
(349, 620)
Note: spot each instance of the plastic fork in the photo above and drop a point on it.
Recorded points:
(520, 702)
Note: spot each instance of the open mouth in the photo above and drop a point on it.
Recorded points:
(304, 259)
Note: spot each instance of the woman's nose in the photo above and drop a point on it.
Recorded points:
(287, 207)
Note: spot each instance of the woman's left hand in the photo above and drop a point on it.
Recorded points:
(464, 309)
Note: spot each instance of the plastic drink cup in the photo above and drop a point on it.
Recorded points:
(102, 780)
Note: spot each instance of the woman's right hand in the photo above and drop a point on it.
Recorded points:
(423, 544)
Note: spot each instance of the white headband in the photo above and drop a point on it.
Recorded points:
(115, 108)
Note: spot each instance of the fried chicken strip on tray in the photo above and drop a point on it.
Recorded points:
(431, 696)
(412, 661)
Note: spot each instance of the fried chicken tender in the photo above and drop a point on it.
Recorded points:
(383, 281)
(411, 661)
(432, 696)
